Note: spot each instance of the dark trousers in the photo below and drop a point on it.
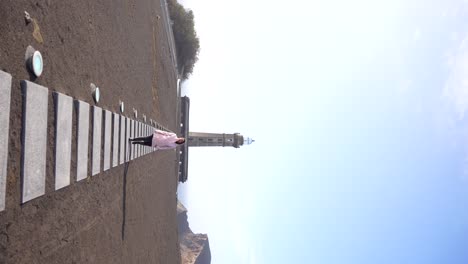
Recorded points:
(146, 141)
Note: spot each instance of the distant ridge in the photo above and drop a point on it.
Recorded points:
(194, 248)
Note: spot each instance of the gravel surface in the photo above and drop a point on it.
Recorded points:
(122, 47)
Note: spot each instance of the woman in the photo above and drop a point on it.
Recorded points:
(160, 140)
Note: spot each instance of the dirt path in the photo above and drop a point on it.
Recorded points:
(120, 46)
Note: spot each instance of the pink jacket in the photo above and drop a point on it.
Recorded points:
(164, 140)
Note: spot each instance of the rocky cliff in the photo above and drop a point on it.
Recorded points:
(194, 248)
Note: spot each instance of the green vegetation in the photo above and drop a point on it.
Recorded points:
(186, 40)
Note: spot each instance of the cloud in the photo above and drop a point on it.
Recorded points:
(451, 117)
(456, 87)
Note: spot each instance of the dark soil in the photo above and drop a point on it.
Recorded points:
(122, 47)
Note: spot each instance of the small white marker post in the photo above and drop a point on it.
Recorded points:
(122, 106)
(34, 61)
(96, 92)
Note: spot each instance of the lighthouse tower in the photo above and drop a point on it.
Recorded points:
(201, 139)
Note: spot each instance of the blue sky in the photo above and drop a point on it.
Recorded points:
(358, 109)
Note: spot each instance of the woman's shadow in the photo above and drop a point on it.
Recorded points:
(124, 196)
